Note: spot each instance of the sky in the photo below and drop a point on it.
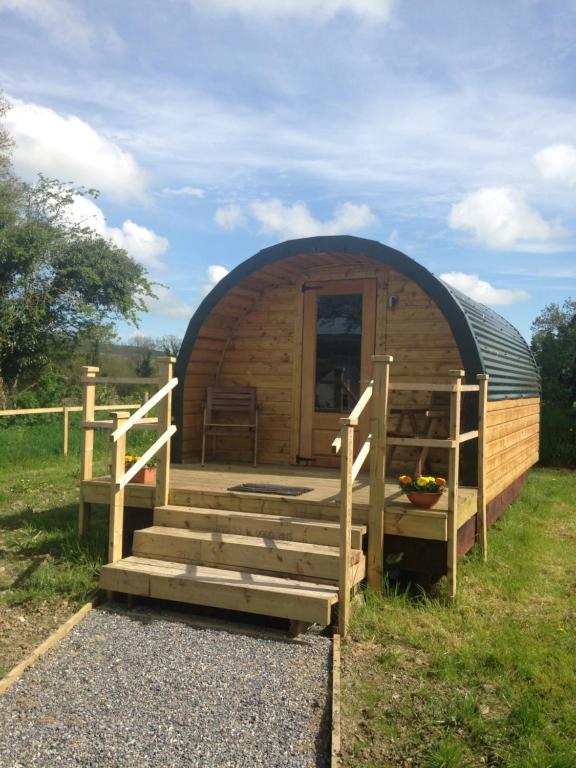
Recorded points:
(215, 128)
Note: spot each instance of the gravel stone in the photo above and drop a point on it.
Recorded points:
(125, 691)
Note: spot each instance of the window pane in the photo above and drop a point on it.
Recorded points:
(338, 350)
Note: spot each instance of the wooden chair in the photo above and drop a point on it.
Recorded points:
(230, 400)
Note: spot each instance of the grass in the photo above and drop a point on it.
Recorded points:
(489, 680)
(46, 573)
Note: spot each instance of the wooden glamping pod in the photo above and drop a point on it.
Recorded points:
(306, 326)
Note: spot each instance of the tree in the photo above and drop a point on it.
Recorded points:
(60, 283)
(554, 347)
(143, 364)
(168, 345)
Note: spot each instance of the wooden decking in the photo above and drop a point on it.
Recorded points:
(192, 485)
(257, 552)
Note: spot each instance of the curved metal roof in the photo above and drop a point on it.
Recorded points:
(487, 342)
(503, 351)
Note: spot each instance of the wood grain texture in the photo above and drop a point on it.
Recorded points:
(253, 337)
(512, 441)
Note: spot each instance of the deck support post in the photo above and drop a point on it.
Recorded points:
(453, 481)
(117, 469)
(347, 434)
(165, 369)
(481, 523)
(379, 429)
(86, 441)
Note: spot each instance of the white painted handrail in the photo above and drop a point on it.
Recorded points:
(143, 410)
(361, 458)
(355, 415)
(363, 402)
(135, 468)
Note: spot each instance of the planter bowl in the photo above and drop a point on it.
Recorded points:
(424, 500)
(145, 475)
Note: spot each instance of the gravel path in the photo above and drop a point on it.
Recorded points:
(131, 691)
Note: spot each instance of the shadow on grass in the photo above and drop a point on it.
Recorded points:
(56, 562)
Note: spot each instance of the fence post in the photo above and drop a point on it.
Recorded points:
(481, 524)
(117, 470)
(453, 480)
(379, 428)
(66, 412)
(86, 442)
(165, 369)
(347, 434)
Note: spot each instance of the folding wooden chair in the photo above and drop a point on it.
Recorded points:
(230, 400)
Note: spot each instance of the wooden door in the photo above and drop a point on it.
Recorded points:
(337, 347)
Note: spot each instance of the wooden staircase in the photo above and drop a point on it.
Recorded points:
(270, 564)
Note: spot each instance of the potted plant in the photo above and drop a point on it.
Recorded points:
(424, 492)
(147, 474)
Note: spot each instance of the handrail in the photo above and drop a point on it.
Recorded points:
(355, 413)
(361, 458)
(146, 456)
(143, 410)
(120, 425)
(376, 445)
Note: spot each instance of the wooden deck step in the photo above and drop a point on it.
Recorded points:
(255, 524)
(233, 590)
(227, 550)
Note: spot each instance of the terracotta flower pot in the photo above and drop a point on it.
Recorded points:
(424, 500)
(145, 475)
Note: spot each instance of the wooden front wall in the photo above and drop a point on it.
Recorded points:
(253, 337)
(512, 438)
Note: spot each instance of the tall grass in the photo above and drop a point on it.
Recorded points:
(39, 506)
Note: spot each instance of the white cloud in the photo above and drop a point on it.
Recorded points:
(215, 273)
(143, 244)
(501, 218)
(482, 290)
(230, 217)
(292, 221)
(557, 163)
(168, 304)
(68, 148)
(315, 10)
(183, 192)
(64, 22)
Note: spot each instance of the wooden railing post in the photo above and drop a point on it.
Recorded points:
(453, 480)
(86, 442)
(65, 427)
(481, 525)
(165, 369)
(347, 433)
(117, 469)
(375, 564)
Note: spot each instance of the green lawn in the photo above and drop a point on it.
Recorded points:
(45, 572)
(490, 680)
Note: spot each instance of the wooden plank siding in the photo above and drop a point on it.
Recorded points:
(253, 337)
(512, 439)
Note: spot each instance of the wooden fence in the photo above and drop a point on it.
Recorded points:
(66, 410)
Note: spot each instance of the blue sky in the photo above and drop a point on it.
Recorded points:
(214, 128)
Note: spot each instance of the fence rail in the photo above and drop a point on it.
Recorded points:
(66, 410)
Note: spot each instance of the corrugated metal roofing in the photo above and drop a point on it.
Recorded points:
(503, 351)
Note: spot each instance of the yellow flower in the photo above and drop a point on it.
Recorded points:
(421, 482)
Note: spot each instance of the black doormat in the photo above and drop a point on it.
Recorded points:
(279, 490)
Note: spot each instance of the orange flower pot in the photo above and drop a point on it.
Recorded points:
(424, 500)
(145, 475)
